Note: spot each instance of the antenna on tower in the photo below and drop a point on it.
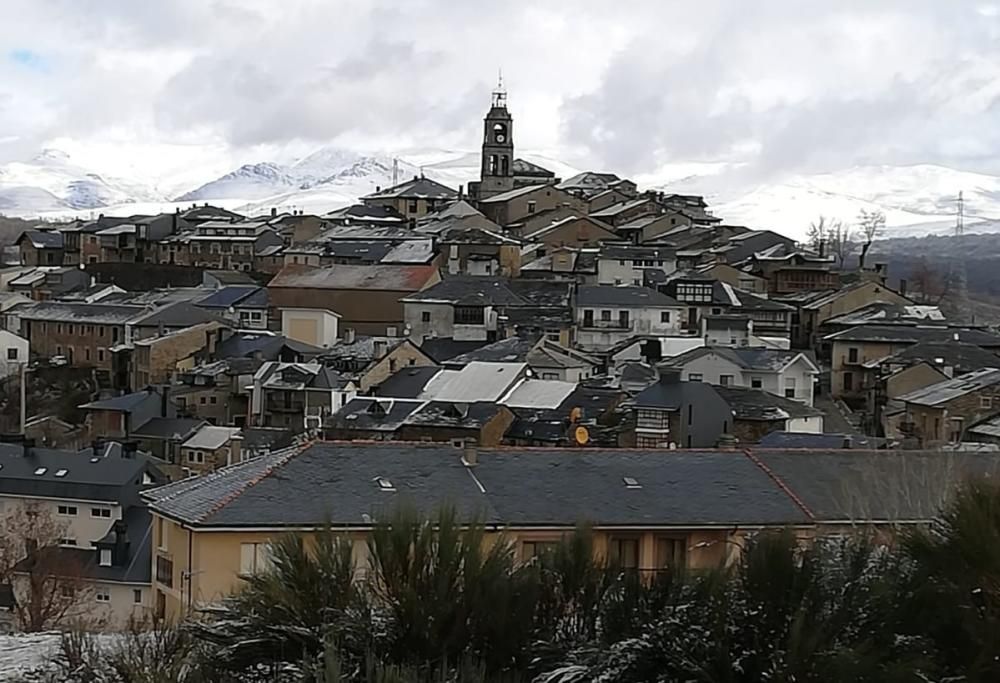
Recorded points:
(500, 95)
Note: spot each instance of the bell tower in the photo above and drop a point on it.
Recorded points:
(497, 170)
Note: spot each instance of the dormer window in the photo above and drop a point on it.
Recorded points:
(105, 557)
(631, 483)
(40, 471)
(384, 484)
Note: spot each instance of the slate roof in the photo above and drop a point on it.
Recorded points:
(631, 297)
(543, 394)
(271, 375)
(632, 251)
(168, 428)
(962, 356)
(846, 485)
(950, 389)
(756, 404)
(231, 277)
(524, 167)
(496, 291)
(236, 295)
(361, 349)
(913, 334)
(82, 477)
(672, 395)
(751, 358)
(245, 344)
(340, 483)
(511, 350)
(179, 314)
(407, 278)
(515, 193)
(211, 437)
(370, 413)
(441, 349)
(407, 382)
(459, 415)
(805, 440)
(616, 209)
(363, 212)
(262, 439)
(474, 382)
(125, 403)
(43, 239)
(99, 314)
(417, 188)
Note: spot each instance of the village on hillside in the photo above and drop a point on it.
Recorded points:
(178, 388)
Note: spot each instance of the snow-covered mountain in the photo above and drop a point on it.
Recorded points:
(916, 199)
(52, 182)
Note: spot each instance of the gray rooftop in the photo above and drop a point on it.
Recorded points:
(911, 334)
(623, 297)
(949, 390)
(417, 188)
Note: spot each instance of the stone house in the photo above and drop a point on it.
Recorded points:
(672, 413)
(369, 360)
(412, 198)
(607, 315)
(485, 423)
(369, 299)
(817, 309)
(296, 395)
(119, 416)
(628, 211)
(572, 231)
(795, 271)
(210, 448)
(515, 205)
(41, 248)
(940, 413)
(757, 413)
(82, 333)
(651, 227)
(156, 359)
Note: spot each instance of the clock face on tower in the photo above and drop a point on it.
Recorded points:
(499, 132)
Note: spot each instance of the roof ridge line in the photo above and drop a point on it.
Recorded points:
(283, 456)
(781, 484)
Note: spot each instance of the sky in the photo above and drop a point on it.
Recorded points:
(775, 87)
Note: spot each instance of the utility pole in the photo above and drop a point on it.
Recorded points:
(24, 396)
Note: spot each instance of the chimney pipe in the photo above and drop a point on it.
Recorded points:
(235, 448)
(96, 447)
(349, 335)
(28, 446)
(902, 287)
(129, 449)
(470, 453)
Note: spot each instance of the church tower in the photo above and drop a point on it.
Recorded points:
(497, 171)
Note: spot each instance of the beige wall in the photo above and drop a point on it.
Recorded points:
(83, 527)
(911, 379)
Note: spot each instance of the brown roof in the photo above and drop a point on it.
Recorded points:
(407, 278)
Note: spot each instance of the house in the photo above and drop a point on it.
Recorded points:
(120, 416)
(527, 173)
(314, 326)
(81, 333)
(570, 264)
(412, 198)
(877, 313)
(13, 353)
(210, 448)
(93, 500)
(482, 422)
(619, 264)
(479, 251)
(627, 211)
(41, 248)
(757, 413)
(221, 245)
(156, 359)
(162, 437)
(547, 359)
(671, 413)
(370, 418)
(589, 184)
(217, 392)
(747, 244)
(49, 282)
(362, 214)
(571, 231)
(296, 395)
(370, 360)
(606, 315)
(247, 305)
(793, 271)
(702, 295)
(482, 308)
(815, 310)
(650, 227)
(780, 372)
(642, 506)
(589, 416)
(857, 351)
(369, 299)
(515, 205)
(940, 413)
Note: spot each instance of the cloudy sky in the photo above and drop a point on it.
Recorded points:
(781, 86)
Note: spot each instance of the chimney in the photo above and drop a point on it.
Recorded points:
(349, 335)
(120, 550)
(96, 447)
(381, 347)
(129, 449)
(461, 192)
(822, 248)
(470, 453)
(726, 442)
(235, 448)
(378, 188)
(274, 211)
(28, 446)
(902, 287)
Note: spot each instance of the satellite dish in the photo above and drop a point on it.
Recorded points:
(581, 435)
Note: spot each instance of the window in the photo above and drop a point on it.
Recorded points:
(621, 262)
(202, 400)
(161, 534)
(100, 355)
(848, 381)
(105, 557)
(694, 377)
(413, 206)
(985, 402)
(664, 316)
(67, 510)
(137, 596)
(104, 513)
(253, 558)
(165, 571)
(196, 456)
(470, 315)
(726, 380)
(588, 318)
(623, 319)
(425, 316)
(624, 552)
(671, 552)
(606, 316)
(755, 383)
(531, 207)
(852, 355)
(103, 595)
(789, 387)
(11, 354)
(213, 399)
(533, 549)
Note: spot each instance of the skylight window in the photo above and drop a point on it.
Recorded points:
(384, 484)
(61, 473)
(40, 471)
(631, 483)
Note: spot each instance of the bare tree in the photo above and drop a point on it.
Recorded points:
(927, 284)
(48, 583)
(870, 224)
(817, 233)
(841, 241)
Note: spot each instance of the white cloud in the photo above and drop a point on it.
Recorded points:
(777, 86)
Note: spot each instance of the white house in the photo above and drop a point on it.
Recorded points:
(13, 353)
(621, 264)
(606, 315)
(790, 374)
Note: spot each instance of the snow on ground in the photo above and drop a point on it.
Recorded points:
(26, 652)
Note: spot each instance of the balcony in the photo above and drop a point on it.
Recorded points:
(606, 325)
